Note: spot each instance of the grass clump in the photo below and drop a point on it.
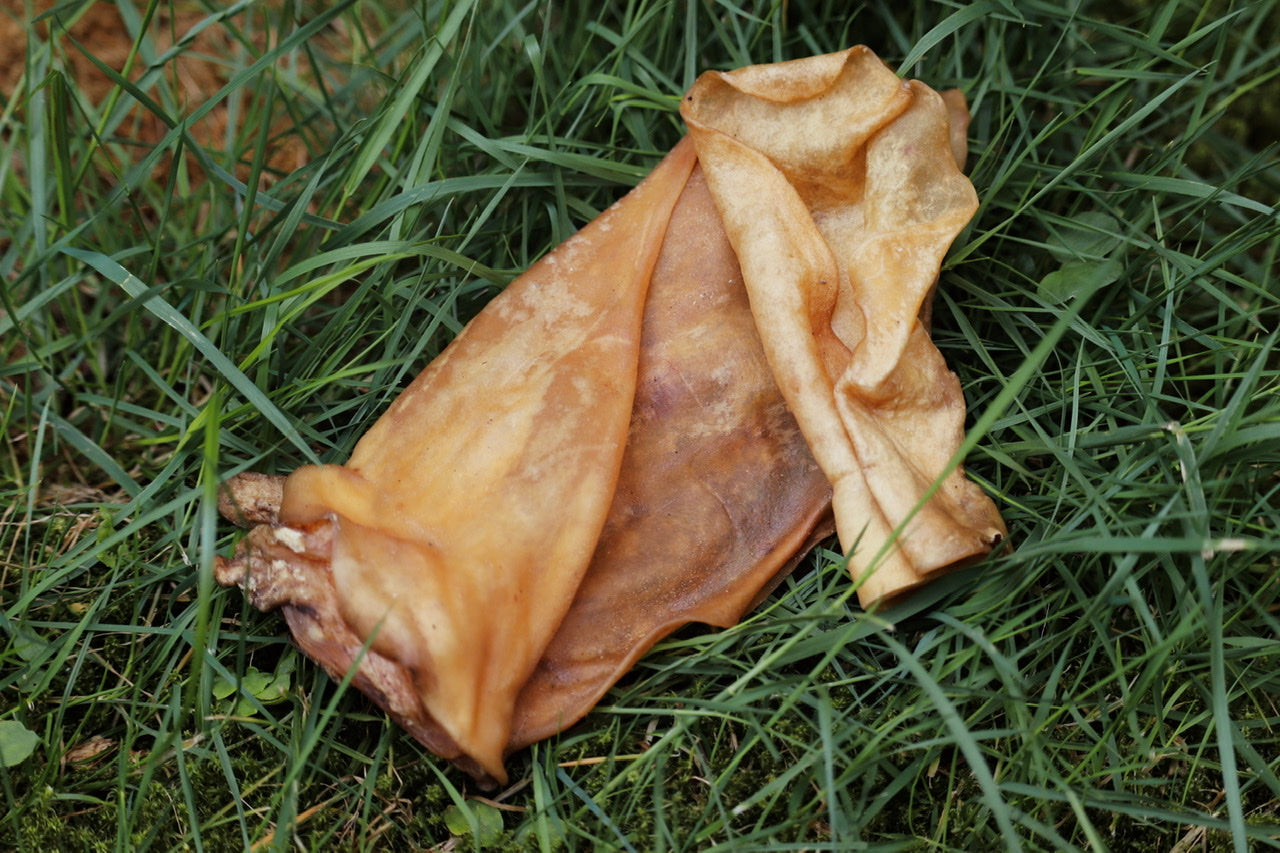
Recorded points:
(239, 267)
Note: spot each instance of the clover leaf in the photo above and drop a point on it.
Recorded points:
(17, 742)
(487, 826)
(1090, 250)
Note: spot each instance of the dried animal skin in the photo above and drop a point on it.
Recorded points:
(609, 449)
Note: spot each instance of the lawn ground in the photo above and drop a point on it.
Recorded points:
(229, 234)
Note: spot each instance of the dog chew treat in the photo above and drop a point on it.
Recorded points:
(653, 424)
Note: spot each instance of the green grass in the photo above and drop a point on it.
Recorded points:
(181, 309)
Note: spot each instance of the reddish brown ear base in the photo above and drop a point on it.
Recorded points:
(653, 424)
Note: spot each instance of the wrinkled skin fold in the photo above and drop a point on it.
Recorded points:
(653, 424)
(841, 235)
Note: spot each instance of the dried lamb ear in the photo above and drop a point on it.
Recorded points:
(604, 453)
(838, 187)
